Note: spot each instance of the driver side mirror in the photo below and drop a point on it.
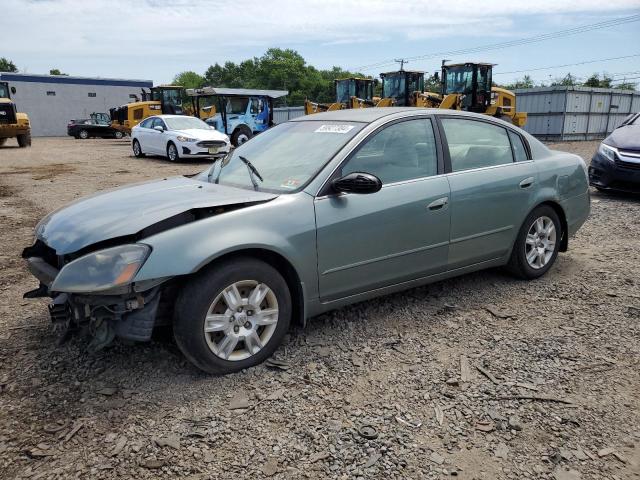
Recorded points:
(357, 182)
(159, 128)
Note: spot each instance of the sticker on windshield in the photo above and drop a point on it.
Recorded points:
(290, 183)
(333, 129)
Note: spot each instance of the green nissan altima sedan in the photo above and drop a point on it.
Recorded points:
(313, 214)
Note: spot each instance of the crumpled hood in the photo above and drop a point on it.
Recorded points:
(625, 138)
(128, 210)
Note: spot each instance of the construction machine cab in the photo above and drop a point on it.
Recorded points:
(169, 96)
(471, 82)
(401, 85)
(361, 88)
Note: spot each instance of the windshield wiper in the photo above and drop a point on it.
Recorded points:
(252, 171)
(213, 167)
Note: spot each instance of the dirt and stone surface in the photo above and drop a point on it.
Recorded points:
(479, 377)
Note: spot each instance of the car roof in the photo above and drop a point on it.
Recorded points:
(370, 115)
(172, 116)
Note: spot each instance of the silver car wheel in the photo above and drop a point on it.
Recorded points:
(136, 148)
(173, 152)
(540, 244)
(241, 320)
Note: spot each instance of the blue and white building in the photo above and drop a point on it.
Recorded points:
(52, 100)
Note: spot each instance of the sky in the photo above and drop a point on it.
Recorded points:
(156, 39)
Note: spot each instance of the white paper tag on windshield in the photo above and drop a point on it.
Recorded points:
(334, 129)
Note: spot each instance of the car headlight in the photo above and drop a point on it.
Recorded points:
(102, 270)
(186, 139)
(608, 152)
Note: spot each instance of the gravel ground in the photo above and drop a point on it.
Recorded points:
(479, 377)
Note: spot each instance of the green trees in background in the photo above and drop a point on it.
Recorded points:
(569, 80)
(55, 71)
(7, 65)
(277, 69)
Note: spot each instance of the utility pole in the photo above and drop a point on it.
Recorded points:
(401, 61)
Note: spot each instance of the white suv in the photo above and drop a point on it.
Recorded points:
(176, 137)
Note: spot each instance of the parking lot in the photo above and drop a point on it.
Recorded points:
(481, 377)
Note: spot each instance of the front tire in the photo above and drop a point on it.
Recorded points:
(172, 152)
(118, 134)
(240, 135)
(137, 150)
(537, 245)
(24, 140)
(83, 134)
(232, 316)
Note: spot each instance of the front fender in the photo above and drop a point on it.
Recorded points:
(285, 226)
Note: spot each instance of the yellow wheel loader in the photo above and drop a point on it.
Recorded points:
(12, 122)
(464, 86)
(467, 86)
(165, 99)
(350, 93)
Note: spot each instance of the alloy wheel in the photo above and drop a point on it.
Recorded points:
(540, 243)
(241, 320)
(173, 153)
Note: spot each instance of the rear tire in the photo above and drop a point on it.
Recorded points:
(537, 245)
(172, 152)
(24, 140)
(263, 319)
(240, 135)
(137, 149)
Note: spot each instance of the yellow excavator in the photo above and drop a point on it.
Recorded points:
(351, 92)
(463, 86)
(165, 99)
(12, 122)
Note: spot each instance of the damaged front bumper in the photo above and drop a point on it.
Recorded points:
(130, 314)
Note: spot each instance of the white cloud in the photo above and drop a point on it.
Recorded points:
(189, 33)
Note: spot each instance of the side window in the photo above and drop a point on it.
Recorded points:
(402, 151)
(137, 114)
(255, 106)
(519, 152)
(474, 144)
(147, 122)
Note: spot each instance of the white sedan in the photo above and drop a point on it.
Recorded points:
(176, 137)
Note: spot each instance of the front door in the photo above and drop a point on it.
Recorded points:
(157, 139)
(397, 234)
(490, 192)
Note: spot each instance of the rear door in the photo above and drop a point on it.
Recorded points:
(397, 234)
(143, 132)
(491, 192)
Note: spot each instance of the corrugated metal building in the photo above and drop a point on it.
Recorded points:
(284, 114)
(52, 100)
(575, 113)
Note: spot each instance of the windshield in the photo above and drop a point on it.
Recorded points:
(237, 105)
(393, 86)
(459, 80)
(287, 156)
(185, 123)
(4, 90)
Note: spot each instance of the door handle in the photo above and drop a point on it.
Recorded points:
(527, 182)
(438, 204)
